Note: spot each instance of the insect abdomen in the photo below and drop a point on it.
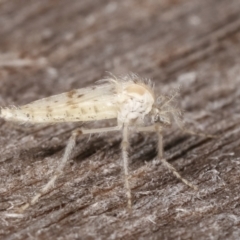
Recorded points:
(88, 111)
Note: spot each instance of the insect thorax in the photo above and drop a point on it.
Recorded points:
(135, 102)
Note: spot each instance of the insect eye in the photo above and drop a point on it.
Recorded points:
(160, 119)
(156, 118)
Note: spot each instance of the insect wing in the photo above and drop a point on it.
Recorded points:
(87, 104)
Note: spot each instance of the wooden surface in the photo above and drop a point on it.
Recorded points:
(48, 47)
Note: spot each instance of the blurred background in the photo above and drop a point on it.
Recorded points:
(52, 46)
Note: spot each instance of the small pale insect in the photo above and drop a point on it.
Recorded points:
(129, 100)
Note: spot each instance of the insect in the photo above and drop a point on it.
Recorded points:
(129, 100)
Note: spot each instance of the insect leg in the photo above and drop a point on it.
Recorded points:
(180, 124)
(67, 154)
(158, 129)
(71, 144)
(197, 134)
(167, 164)
(101, 130)
(125, 145)
(151, 128)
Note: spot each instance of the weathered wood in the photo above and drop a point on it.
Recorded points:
(48, 47)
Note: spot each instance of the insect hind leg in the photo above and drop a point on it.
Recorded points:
(69, 148)
(67, 154)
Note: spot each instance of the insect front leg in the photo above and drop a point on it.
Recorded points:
(181, 126)
(197, 134)
(165, 162)
(157, 128)
(67, 154)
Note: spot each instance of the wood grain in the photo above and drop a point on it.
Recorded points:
(48, 47)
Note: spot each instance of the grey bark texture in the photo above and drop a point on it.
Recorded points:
(49, 47)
